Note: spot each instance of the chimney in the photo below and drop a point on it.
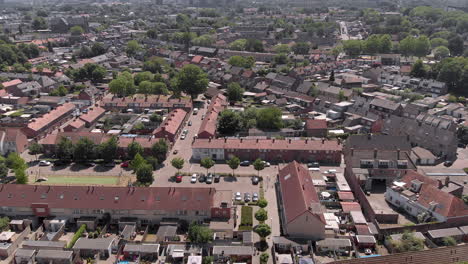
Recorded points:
(209, 140)
(289, 141)
(352, 152)
(440, 184)
(257, 140)
(323, 141)
(241, 140)
(273, 140)
(375, 153)
(398, 154)
(225, 139)
(306, 140)
(447, 181)
(369, 136)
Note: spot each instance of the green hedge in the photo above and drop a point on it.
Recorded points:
(77, 235)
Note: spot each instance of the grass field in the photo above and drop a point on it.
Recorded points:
(81, 180)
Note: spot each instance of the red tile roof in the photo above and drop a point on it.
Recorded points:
(119, 198)
(298, 192)
(76, 124)
(345, 195)
(93, 114)
(448, 204)
(274, 144)
(11, 83)
(155, 101)
(172, 123)
(53, 139)
(316, 124)
(50, 117)
(208, 125)
(197, 59)
(350, 206)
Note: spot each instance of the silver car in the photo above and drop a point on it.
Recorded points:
(255, 197)
(238, 196)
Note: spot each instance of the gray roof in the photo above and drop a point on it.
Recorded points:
(365, 239)
(380, 142)
(387, 104)
(48, 244)
(233, 250)
(464, 229)
(166, 231)
(445, 232)
(54, 254)
(24, 253)
(142, 248)
(328, 242)
(97, 243)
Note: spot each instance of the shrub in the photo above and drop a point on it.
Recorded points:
(77, 235)
(262, 203)
(246, 217)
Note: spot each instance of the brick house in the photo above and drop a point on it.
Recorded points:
(170, 128)
(316, 128)
(12, 140)
(273, 150)
(49, 121)
(300, 209)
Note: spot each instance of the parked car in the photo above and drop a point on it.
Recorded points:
(189, 123)
(266, 164)
(44, 163)
(110, 165)
(217, 178)
(193, 179)
(61, 162)
(178, 178)
(203, 117)
(368, 251)
(238, 196)
(255, 180)
(182, 137)
(185, 132)
(124, 164)
(255, 197)
(461, 145)
(448, 163)
(202, 178)
(313, 165)
(247, 197)
(175, 151)
(245, 163)
(209, 179)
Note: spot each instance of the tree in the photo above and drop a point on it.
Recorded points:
(282, 48)
(332, 77)
(208, 260)
(229, 122)
(98, 49)
(191, 80)
(3, 168)
(441, 52)
(449, 241)
(437, 42)
(418, 70)
(137, 162)
(145, 87)
(154, 65)
(21, 176)
(39, 23)
(203, 40)
(76, 31)
(98, 74)
(254, 45)
(177, 163)
(352, 47)
(264, 258)
(153, 162)
(261, 215)
(207, 163)
(152, 33)
(455, 45)
(4, 223)
(259, 165)
(422, 46)
(64, 149)
(144, 173)
(408, 242)
(262, 203)
(280, 58)
(156, 118)
(235, 92)
(84, 150)
(244, 62)
(269, 118)
(407, 46)
(133, 149)
(160, 149)
(199, 234)
(109, 148)
(143, 76)
(301, 48)
(233, 163)
(59, 91)
(238, 44)
(35, 149)
(263, 230)
(132, 48)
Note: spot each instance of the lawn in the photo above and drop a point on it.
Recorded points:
(246, 218)
(81, 180)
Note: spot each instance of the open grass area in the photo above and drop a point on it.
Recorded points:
(81, 180)
(246, 218)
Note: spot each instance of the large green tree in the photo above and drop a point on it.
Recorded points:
(233, 163)
(191, 80)
(235, 92)
(207, 163)
(177, 163)
(269, 118)
(229, 122)
(64, 149)
(133, 149)
(144, 173)
(84, 150)
(108, 149)
(199, 234)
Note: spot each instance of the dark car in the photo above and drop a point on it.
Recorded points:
(448, 163)
(61, 162)
(255, 180)
(461, 145)
(202, 178)
(245, 163)
(217, 178)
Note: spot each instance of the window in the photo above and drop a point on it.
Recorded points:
(44, 195)
(40, 210)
